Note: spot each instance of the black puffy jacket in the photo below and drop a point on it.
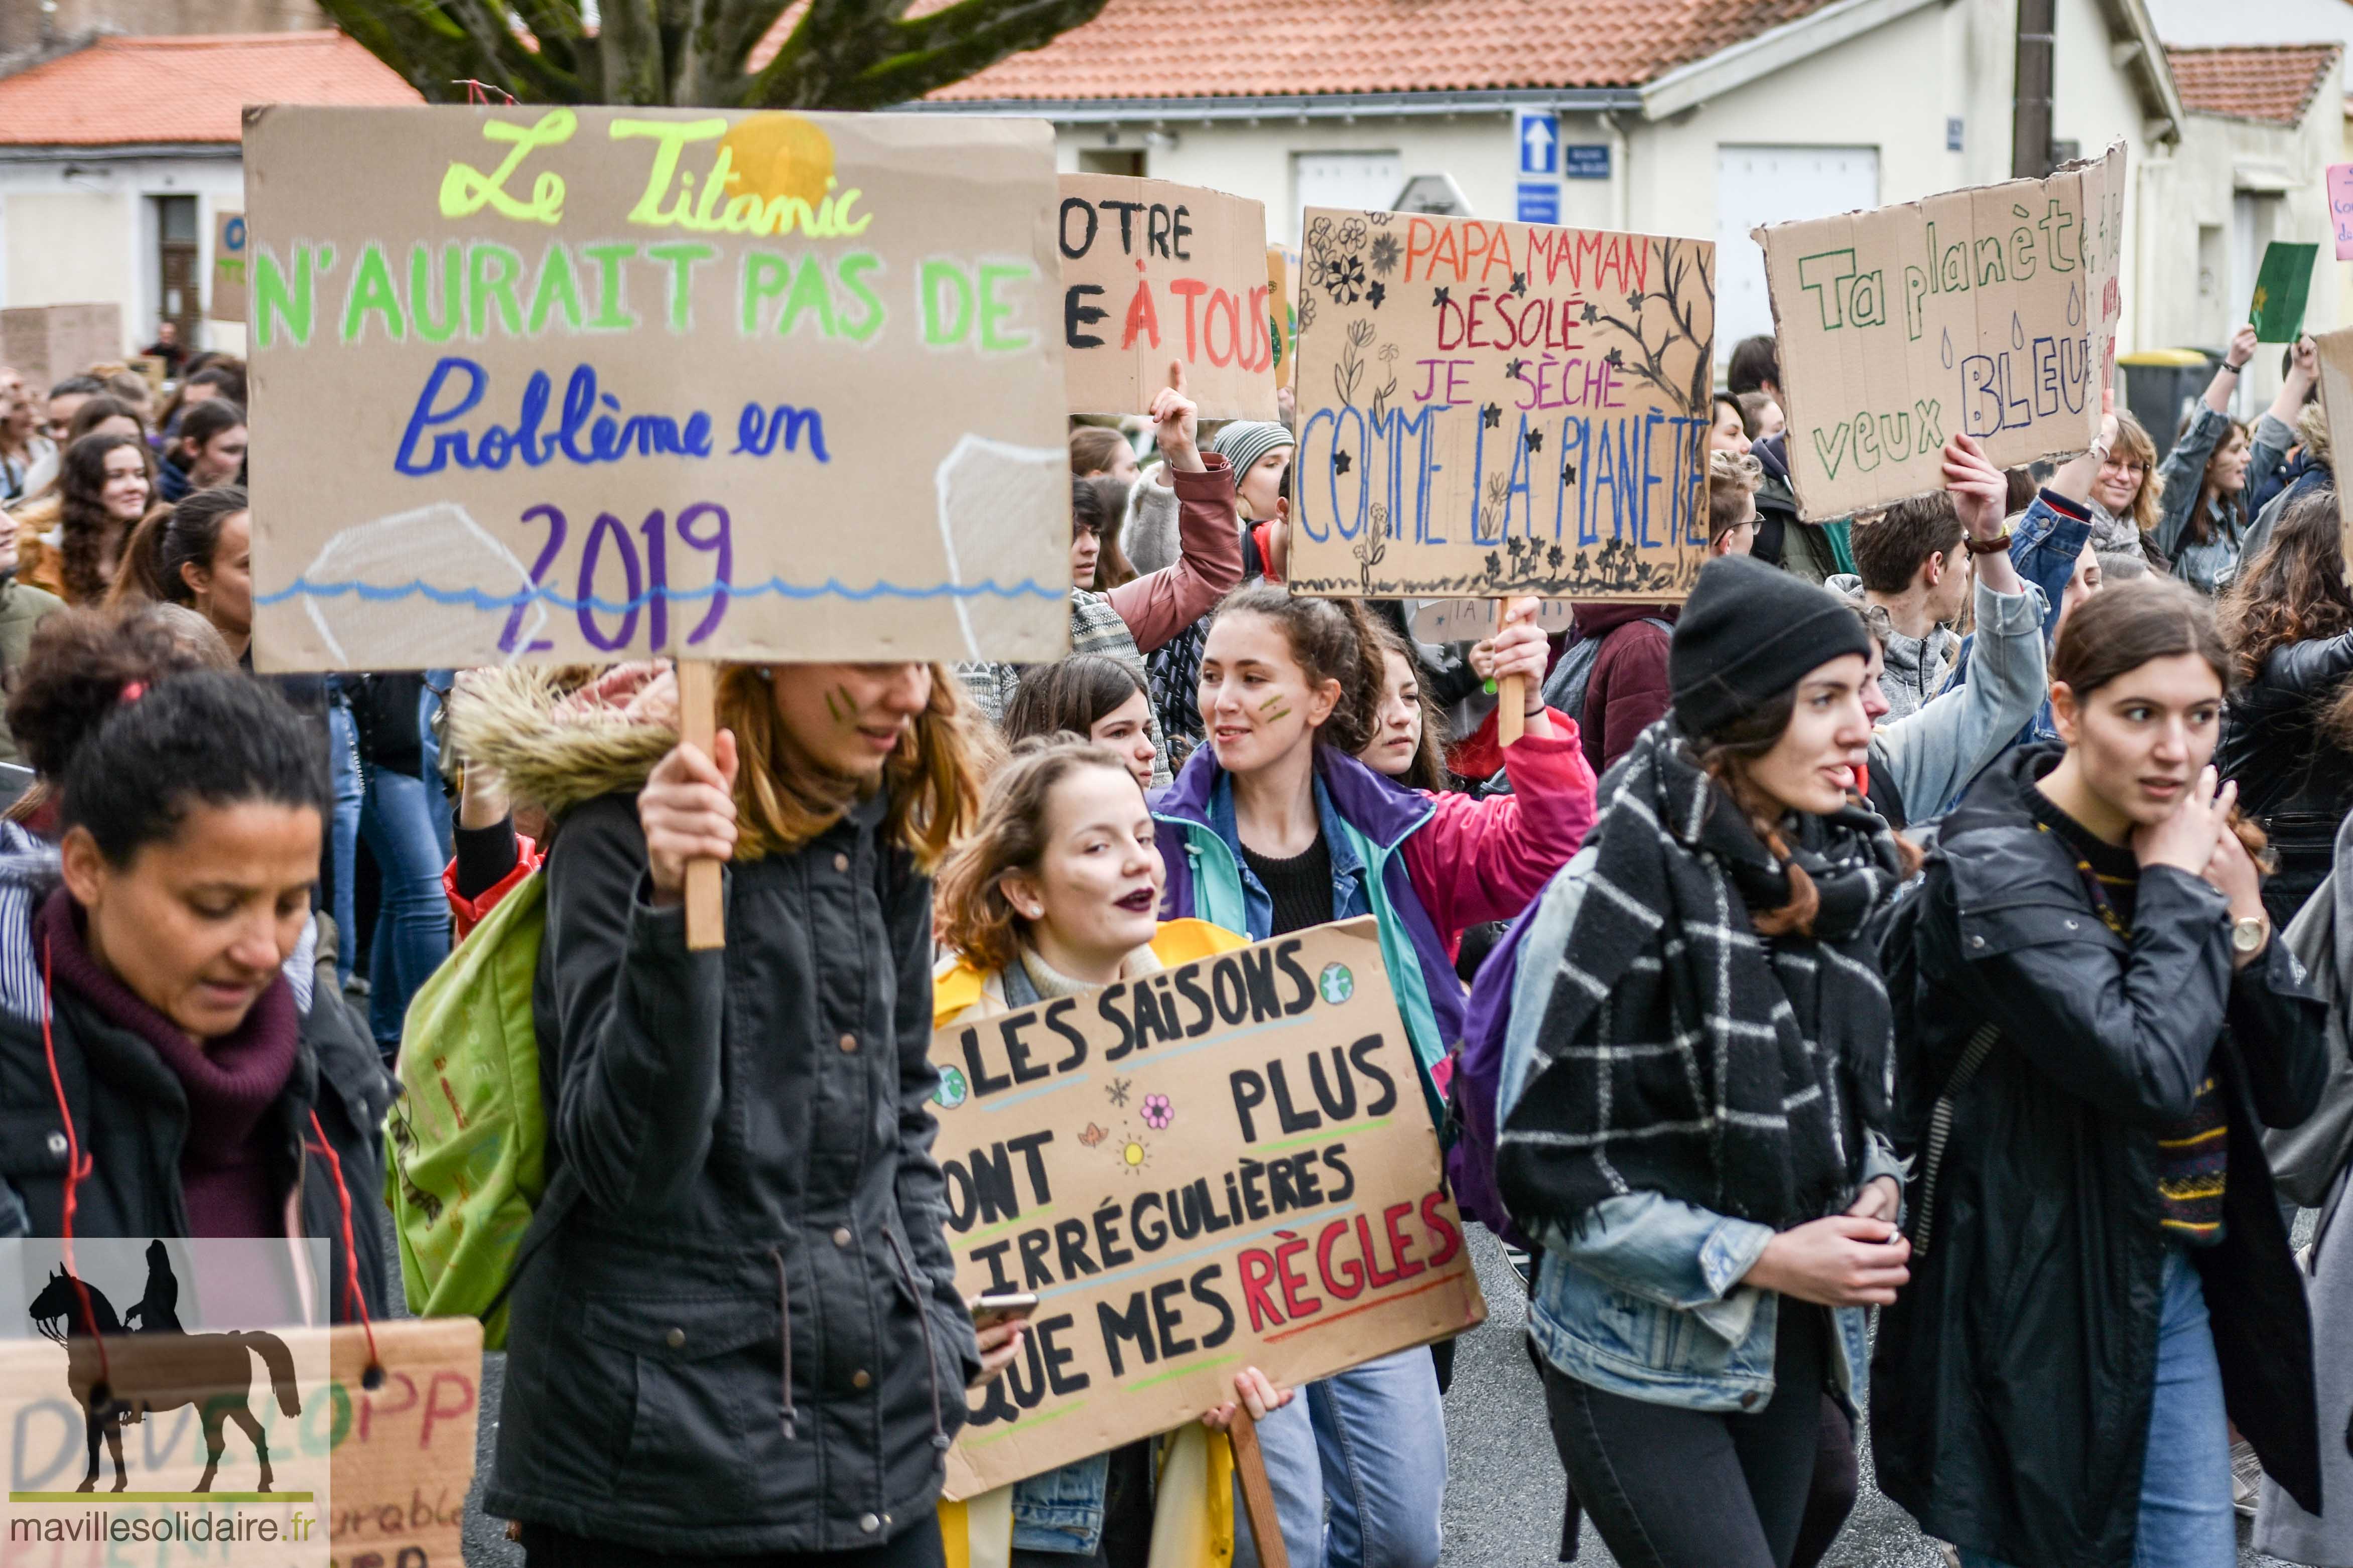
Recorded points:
(2291, 778)
(744, 1336)
(2012, 1384)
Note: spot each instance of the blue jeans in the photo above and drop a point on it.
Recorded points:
(343, 842)
(2186, 1520)
(411, 922)
(1370, 1443)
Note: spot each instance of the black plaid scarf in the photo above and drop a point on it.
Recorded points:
(1684, 1054)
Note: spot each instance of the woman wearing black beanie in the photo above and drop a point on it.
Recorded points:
(1695, 1085)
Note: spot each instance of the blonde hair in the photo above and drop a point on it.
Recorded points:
(972, 913)
(2133, 440)
(782, 800)
(1733, 479)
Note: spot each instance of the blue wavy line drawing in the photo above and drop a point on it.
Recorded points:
(303, 587)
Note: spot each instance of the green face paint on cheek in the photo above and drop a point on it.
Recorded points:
(1273, 708)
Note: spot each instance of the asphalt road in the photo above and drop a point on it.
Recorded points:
(1504, 1484)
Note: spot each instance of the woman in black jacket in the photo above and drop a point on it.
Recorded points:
(2095, 1024)
(171, 1062)
(2289, 622)
(740, 1333)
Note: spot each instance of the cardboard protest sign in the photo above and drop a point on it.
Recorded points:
(1281, 271)
(1468, 620)
(1226, 1164)
(404, 1460)
(2283, 285)
(555, 385)
(47, 343)
(1154, 273)
(1991, 310)
(2340, 208)
(227, 301)
(1496, 408)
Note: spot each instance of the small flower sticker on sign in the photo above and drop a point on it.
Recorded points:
(1157, 1112)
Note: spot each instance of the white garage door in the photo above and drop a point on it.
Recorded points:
(1369, 181)
(1755, 186)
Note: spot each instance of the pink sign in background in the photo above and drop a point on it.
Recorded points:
(2340, 208)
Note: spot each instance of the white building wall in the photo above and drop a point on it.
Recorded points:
(83, 230)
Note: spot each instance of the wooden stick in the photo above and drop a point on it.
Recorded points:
(1511, 701)
(698, 726)
(1257, 1493)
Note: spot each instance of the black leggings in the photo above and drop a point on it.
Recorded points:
(1668, 1488)
(917, 1546)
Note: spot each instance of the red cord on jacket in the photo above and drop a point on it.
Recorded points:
(76, 1167)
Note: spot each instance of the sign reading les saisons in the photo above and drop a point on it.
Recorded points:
(1991, 310)
(579, 384)
(1151, 273)
(1226, 1164)
(1493, 408)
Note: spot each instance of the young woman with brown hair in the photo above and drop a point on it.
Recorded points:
(741, 1334)
(1693, 1093)
(1056, 891)
(1093, 697)
(2094, 1026)
(2288, 622)
(105, 486)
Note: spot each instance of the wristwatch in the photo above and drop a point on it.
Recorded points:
(2248, 933)
(1987, 546)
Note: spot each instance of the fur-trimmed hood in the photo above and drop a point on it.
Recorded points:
(553, 745)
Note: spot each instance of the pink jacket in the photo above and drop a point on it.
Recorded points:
(1487, 860)
(1157, 606)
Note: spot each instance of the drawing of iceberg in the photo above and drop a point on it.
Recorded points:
(418, 589)
(995, 501)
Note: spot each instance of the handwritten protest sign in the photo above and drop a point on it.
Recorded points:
(579, 384)
(1991, 310)
(1154, 273)
(2340, 208)
(1281, 270)
(2282, 284)
(47, 343)
(1228, 1164)
(1493, 408)
(404, 1455)
(227, 296)
(2333, 352)
(1468, 620)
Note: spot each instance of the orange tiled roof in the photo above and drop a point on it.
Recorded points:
(2252, 81)
(1224, 48)
(122, 91)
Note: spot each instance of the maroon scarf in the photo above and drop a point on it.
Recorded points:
(230, 1082)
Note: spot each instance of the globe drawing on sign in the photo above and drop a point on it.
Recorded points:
(1336, 984)
(952, 1090)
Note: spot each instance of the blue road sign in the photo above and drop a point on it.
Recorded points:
(1539, 202)
(1539, 143)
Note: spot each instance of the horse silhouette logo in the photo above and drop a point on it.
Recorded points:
(118, 1374)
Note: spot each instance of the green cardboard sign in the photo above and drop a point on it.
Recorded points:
(2281, 289)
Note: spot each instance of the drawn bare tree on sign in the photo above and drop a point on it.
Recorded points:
(1374, 545)
(1688, 291)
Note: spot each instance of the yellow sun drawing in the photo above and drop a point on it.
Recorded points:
(1133, 1154)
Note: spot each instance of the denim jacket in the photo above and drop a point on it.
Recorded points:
(1646, 1299)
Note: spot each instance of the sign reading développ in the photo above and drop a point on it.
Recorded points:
(1497, 409)
(1152, 274)
(584, 384)
(1226, 1164)
(226, 300)
(1991, 310)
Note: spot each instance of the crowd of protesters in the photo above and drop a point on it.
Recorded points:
(1932, 915)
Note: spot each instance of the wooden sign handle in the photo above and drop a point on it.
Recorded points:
(698, 726)
(1511, 701)
(1258, 1492)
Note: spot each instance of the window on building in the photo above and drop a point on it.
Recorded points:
(2209, 325)
(1127, 161)
(1757, 186)
(1361, 180)
(178, 298)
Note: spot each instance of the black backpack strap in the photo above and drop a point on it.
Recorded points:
(1940, 1129)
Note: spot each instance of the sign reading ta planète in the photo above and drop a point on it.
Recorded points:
(581, 384)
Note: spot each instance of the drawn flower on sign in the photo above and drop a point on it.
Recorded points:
(1387, 253)
(1592, 314)
(1536, 440)
(1376, 294)
(1373, 545)
(1344, 279)
(1495, 564)
(1306, 312)
(1634, 300)
(1352, 234)
(1553, 557)
(1157, 1112)
(1380, 220)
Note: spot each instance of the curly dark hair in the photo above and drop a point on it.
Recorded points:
(1330, 639)
(2293, 592)
(75, 668)
(82, 519)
